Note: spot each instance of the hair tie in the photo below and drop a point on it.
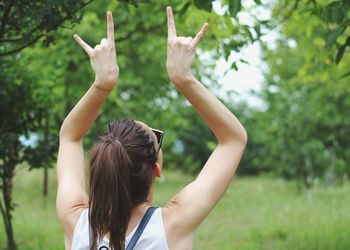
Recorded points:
(116, 141)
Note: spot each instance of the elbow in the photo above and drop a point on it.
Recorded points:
(240, 136)
(62, 133)
(241, 139)
(63, 136)
(66, 134)
(236, 139)
(244, 137)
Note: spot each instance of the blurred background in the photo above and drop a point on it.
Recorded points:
(281, 66)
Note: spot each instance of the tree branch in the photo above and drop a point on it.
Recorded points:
(38, 27)
(11, 40)
(5, 16)
(21, 47)
(3, 213)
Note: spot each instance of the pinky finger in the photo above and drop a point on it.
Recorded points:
(199, 36)
(83, 44)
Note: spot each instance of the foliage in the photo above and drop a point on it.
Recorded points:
(303, 129)
(23, 108)
(21, 113)
(334, 16)
(334, 19)
(144, 91)
(24, 22)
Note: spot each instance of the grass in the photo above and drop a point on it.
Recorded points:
(255, 213)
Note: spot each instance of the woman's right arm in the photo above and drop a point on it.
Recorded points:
(192, 204)
(71, 194)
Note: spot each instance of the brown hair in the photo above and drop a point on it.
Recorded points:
(121, 170)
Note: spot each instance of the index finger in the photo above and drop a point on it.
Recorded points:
(83, 44)
(110, 27)
(171, 23)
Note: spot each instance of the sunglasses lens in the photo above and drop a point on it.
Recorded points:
(158, 134)
(159, 137)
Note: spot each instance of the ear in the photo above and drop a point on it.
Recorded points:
(157, 170)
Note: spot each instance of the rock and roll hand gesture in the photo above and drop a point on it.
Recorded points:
(103, 58)
(181, 51)
(180, 54)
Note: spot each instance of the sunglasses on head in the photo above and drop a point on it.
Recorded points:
(159, 134)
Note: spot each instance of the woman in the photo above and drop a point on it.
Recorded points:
(126, 160)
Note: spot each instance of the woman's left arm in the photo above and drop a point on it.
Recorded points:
(71, 194)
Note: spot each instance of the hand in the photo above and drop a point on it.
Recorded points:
(103, 58)
(181, 51)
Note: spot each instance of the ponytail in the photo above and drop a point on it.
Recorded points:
(110, 203)
(121, 168)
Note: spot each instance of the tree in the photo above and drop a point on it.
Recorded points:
(20, 114)
(22, 110)
(333, 18)
(306, 118)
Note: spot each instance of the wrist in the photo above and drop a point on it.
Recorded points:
(182, 80)
(102, 88)
(105, 84)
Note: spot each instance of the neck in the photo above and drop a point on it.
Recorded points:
(150, 194)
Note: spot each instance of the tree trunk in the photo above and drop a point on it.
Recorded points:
(46, 142)
(6, 209)
(46, 182)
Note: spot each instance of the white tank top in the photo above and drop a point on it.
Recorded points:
(152, 238)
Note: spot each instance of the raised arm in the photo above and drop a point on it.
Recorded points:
(71, 195)
(194, 202)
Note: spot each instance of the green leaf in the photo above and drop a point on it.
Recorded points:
(247, 32)
(234, 7)
(258, 2)
(345, 75)
(340, 53)
(184, 8)
(347, 41)
(234, 66)
(341, 50)
(257, 29)
(333, 13)
(203, 4)
(227, 51)
(332, 37)
(243, 61)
